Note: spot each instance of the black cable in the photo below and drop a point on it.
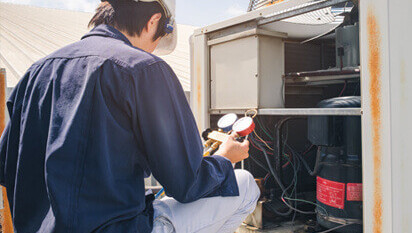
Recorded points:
(274, 176)
(272, 171)
(284, 190)
(259, 164)
(318, 163)
(279, 182)
(338, 227)
(273, 209)
(295, 175)
(356, 89)
(294, 181)
(248, 165)
(296, 170)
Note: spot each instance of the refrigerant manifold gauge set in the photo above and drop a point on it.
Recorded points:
(228, 124)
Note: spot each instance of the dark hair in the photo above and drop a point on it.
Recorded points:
(129, 16)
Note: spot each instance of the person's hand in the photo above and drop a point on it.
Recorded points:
(233, 150)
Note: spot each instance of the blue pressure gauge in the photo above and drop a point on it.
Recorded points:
(227, 121)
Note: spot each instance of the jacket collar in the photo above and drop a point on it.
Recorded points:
(107, 31)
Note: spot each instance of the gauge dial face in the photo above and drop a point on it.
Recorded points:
(226, 122)
(244, 126)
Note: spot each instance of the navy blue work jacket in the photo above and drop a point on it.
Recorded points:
(87, 124)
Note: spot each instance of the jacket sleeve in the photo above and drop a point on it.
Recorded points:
(9, 141)
(172, 142)
(5, 135)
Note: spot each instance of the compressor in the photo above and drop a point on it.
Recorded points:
(338, 166)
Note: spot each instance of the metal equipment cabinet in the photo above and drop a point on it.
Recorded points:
(386, 97)
(236, 60)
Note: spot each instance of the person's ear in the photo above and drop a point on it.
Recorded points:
(153, 23)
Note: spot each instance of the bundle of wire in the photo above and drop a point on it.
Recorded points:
(289, 195)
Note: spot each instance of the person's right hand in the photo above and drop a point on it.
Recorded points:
(233, 150)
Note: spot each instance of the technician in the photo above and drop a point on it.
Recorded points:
(90, 121)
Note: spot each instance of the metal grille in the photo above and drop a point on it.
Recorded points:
(257, 4)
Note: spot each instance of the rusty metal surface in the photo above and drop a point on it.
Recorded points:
(199, 95)
(379, 100)
(387, 128)
(375, 94)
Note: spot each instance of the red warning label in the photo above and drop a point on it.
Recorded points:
(354, 192)
(331, 193)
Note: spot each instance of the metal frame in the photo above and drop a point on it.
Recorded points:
(386, 98)
(247, 33)
(270, 14)
(252, 16)
(300, 11)
(199, 96)
(200, 43)
(376, 123)
(386, 125)
(315, 79)
(257, 4)
(297, 111)
(322, 77)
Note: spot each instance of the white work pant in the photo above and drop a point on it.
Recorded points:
(208, 215)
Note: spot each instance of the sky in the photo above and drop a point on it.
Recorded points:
(190, 12)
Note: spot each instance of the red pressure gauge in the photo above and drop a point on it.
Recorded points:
(244, 126)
